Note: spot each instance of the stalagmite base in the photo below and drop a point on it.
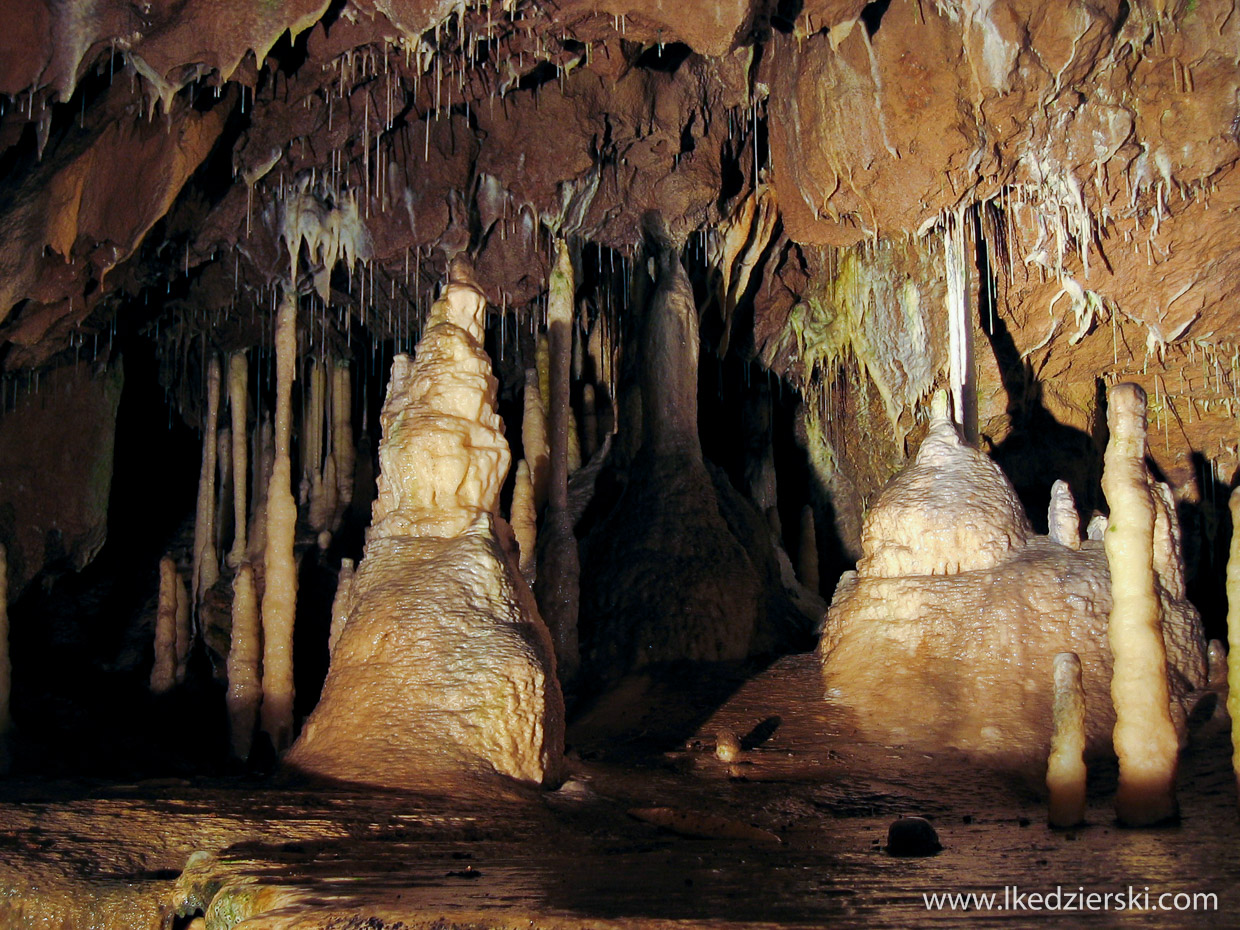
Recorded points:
(1065, 768)
(1145, 737)
(280, 579)
(245, 692)
(443, 668)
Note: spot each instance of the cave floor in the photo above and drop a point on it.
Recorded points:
(643, 834)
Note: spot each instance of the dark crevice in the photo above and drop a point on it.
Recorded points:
(664, 57)
(872, 15)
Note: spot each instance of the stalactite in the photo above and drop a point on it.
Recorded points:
(206, 569)
(244, 690)
(589, 423)
(807, 555)
(340, 605)
(1233, 632)
(280, 592)
(238, 402)
(1065, 768)
(524, 521)
(559, 581)
(960, 328)
(163, 672)
(534, 439)
(1145, 738)
(264, 461)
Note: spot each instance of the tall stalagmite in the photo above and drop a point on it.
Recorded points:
(163, 671)
(206, 568)
(534, 438)
(245, 692)
(1145, 736)
(524, 522)
(1233, 633)
(1065, 767)
(264, 462)
(280, 578)
(238, 401)
(344, 453)
(558, 584)
(443, 667)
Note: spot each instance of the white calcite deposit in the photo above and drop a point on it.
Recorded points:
(947, 632)
(443, 667)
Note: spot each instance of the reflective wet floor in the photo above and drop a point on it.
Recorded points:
(650, 830)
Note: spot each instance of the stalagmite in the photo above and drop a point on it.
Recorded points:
(1065, 768)
(184, 628)
(238, 402)
(558, 582)
(1062, 519)
(344, 453)
(1145, 737)
(206, 569)
(807, 555)
(589, 423)
(322, 491)
(443, 668)
(340, 604)
(525, 522)
(244, 689)
(542, 361)
(534, 439)
(6, 668)
(163, 672)
(1233, 633)
(280, 578)
(264, 462)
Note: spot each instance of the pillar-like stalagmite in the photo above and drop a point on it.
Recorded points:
(524, 521)
(1065, 767)
(163, 671)
(1145, 737)
(1061, 517)
(443, 668)
(534, 438)
(6, 668)
(1233, 633)
(558, 583)
(279, 605)
(344, 453)
(238, 402)
(245, 692)
(206, 569)
(264, 461)
(224, 489)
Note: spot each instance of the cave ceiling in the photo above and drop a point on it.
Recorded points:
(152, 154)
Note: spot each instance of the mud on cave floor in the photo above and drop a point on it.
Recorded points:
(103, 854)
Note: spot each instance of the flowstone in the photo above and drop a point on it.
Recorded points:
(947, 632)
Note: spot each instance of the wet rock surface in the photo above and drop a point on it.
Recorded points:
(130, 854)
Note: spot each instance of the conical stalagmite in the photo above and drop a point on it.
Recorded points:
(245, 692)
(280, 570)
(1145, 736)
(206, 569)
(163, 671)
(558, 582)
(443, 668)
(238, 402)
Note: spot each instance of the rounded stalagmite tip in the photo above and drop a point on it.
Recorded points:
(1065, 768)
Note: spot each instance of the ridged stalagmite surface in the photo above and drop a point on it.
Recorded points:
(443, 667)
(1145, 735)
(954, 644)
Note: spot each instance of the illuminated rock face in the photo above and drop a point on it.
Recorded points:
(926, 652)
(443, 666)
